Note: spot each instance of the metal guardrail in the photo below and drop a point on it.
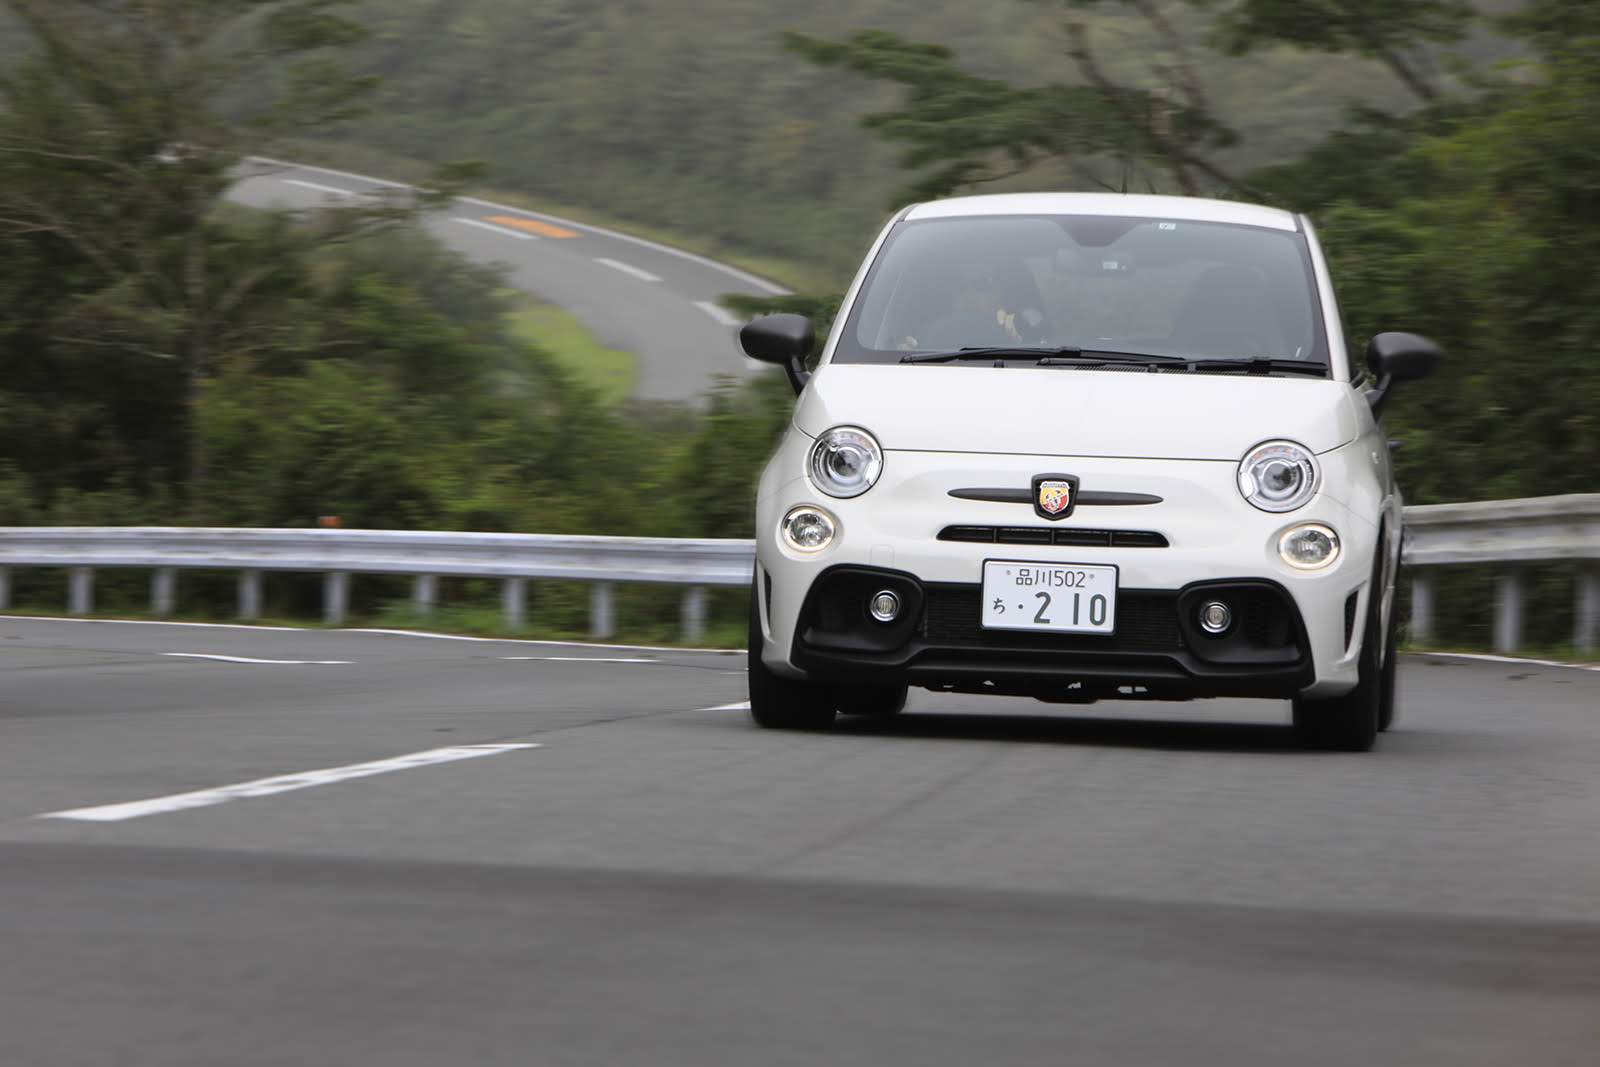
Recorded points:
(1508, 533)
(336, 554)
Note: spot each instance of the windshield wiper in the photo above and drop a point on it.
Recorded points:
(975, 353)
(1105, 357)
(1089, 358)
(1261, 366)
(1050, 356)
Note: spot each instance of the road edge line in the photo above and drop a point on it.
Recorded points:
(1485, 657)
(769, 287)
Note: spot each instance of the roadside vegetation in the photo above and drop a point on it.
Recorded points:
(171, 360)
(611, 373)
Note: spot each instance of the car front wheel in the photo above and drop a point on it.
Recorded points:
(1350, 723)
(779, 703)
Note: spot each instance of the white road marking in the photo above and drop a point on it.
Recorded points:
(248, 659)
(1486, 658)
(544, 643)
(655, 246)
(283, 783)
(329, 189)
(492, 228)
(149, 622)
(627, 268)
(742, 706)
(574, 659)
(721, 314)
(372, 630)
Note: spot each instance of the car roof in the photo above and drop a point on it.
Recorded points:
(1124, 205)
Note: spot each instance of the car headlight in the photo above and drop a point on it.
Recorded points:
(808, 529)
(1310, 547)
(846, 461)
(1278, 476)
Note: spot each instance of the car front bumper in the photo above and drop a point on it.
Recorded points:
(1213, 540)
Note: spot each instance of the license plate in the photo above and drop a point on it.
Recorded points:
(1066, 598)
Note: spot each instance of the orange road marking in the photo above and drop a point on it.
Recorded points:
(543, 229)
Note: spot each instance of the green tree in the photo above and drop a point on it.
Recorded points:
(1156, 119)
(1393, 32)
(120, 134)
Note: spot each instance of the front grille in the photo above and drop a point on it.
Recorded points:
(1147, 621)
(1047, 535)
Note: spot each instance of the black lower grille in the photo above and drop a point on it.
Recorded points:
(1147, 621)
(1047, 535)
(1350, 617)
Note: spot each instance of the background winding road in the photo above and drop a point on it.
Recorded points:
(253, 846)
(657, 302)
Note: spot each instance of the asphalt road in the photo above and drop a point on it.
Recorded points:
(658, 882)
(657, 302)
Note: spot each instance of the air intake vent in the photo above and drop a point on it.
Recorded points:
(1046, 535)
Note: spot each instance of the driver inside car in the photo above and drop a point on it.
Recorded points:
(990, 307)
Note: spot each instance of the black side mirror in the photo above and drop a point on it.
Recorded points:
(1399, 357)
(785, 339)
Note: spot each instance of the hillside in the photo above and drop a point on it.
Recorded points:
(687, 113)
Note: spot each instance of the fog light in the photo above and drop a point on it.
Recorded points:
(885, 606)
(808, 529)
(1310, 547)
(1215, 618)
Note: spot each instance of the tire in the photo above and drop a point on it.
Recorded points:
(1391, 663)
(877, 701)
(779, 703)
(1350, 723)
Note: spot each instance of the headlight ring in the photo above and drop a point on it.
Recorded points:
(845, 462)
(1278, 476)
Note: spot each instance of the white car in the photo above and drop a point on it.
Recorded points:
(1081, 447)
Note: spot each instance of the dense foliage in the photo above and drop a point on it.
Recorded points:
(683, 112)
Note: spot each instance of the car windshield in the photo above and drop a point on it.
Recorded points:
(1192, 290)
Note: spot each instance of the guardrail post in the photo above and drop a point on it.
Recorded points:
(5, 588)
(602, 613)
(80, 591)
(424, 594)
(249, 594)
(1512, 594)
(694, 613)
(163, 591)
(514, 601)
(1586, 622)
(335, 597)
(1421, 609)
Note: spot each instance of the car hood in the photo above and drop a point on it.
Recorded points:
(1066, 412)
